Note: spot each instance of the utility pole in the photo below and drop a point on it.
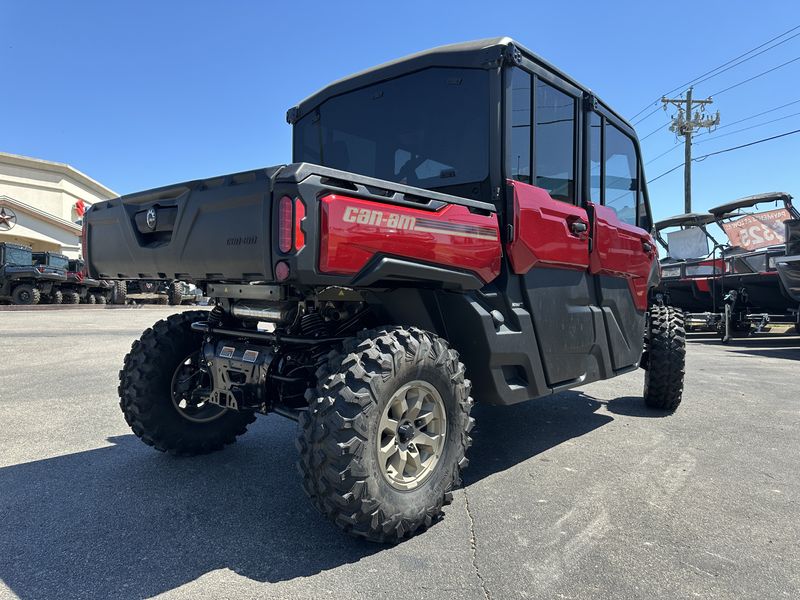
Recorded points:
(684, 123)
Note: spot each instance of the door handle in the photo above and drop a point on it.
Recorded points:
(578, 227)
(647, 247)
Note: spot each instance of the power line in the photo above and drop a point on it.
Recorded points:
(746, 59)
(747, 128)
(648, 115)
(656, 130)
(675, 145)
(752, 116)
(774, 137)
(725, 64)
(705, 156)
(735, 85)
(665, 173)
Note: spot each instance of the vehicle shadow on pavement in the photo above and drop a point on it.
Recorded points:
(126, 521)
(634, 406)
(505, 436)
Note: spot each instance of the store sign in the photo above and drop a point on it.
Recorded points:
(7, 219)
(756, 231)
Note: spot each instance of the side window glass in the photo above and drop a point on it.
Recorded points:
(620, 177)
(643, 218)
(595, 156)
(520, 159)
(554, 139)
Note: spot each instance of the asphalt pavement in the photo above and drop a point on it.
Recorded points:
(586, 494)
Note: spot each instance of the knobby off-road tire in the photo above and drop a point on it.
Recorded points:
(145, 392)
(175, 293)
(71, 298)
(339, 434)
(57, 297)
(26, 294)
(90, 299)
(119, 293)
(99, 299)
(666, 361)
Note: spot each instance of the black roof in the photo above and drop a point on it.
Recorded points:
(748, 201)
(685, 219)
(485, 53)
(17, 246)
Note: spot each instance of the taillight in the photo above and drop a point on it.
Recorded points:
(299, 215)
(285, 224)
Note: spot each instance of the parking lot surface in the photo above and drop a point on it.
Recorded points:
(586, 494)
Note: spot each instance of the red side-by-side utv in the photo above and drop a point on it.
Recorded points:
(465, 222)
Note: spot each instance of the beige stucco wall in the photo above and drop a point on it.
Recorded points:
(48, 186)
(52, 188)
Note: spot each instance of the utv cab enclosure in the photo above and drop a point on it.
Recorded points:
(468, 211)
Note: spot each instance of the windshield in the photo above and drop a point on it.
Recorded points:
(18, 256)
(429, 129)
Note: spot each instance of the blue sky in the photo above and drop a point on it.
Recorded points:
(147, 93)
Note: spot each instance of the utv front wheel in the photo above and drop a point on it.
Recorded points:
(156, 383)
(383, 441)
(666, 358)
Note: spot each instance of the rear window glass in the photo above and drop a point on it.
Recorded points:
(428, 129)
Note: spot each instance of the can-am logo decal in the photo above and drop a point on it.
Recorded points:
(392, 220)
(365, 216)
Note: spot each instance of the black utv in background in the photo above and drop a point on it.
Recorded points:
(23, 282)
(53, 267)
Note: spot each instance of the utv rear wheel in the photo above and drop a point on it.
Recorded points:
(119, 292)
(71, 298)
(383, 441)
(175, 293)
(99, 299)
(25, 294)
(57, 297)
(666, 358)
(156, 383)
(91, 299)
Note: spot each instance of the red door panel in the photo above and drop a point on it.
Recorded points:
(543, 233)
(622, 250)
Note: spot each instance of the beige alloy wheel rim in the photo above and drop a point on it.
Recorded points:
(411, 435)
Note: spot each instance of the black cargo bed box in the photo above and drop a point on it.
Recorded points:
(208, 229)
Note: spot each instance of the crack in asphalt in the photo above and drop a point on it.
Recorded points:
(474, 548)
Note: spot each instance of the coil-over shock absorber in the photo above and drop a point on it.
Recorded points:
(313, 325)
